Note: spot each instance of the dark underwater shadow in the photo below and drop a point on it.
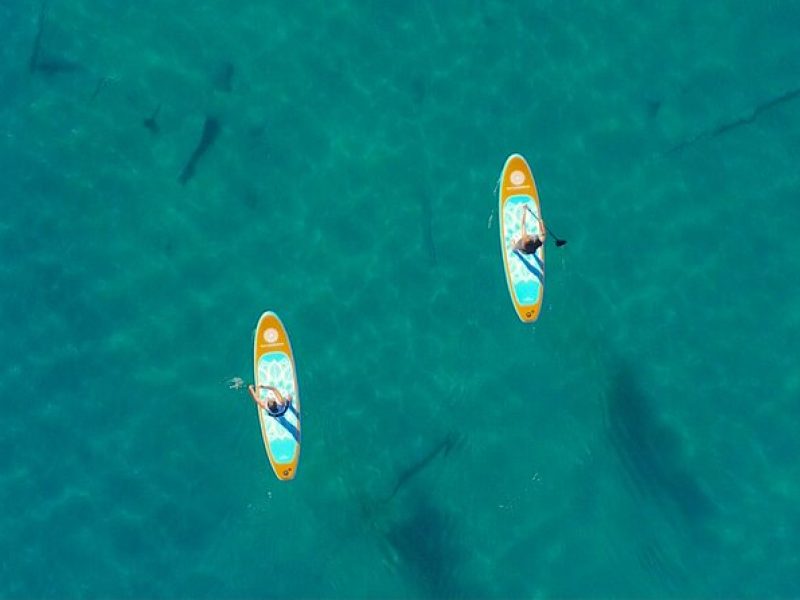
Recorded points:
(421, 539)
(426, 545)
(408, 473)
(651, 452)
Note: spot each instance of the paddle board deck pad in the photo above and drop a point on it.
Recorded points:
(524, 272)
(273, 362)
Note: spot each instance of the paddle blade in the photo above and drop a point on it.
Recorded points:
(560, 243)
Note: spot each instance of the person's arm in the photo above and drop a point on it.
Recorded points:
(519, 243)
(275, 391)
(542, 229)
(254, 395)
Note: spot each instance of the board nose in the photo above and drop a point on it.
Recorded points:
(516, 172)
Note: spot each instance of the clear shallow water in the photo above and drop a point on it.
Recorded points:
(638, 441)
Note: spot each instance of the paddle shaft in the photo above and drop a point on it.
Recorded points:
(559, 241)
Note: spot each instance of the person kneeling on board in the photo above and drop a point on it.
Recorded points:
(275, 404)
(527, 243)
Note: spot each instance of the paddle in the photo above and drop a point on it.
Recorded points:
(559, 242)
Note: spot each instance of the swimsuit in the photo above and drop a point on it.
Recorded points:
(281, 410)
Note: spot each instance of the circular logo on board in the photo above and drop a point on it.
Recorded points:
(517, 178)
(271, 335)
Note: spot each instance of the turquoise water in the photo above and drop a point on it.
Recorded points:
(638, 441)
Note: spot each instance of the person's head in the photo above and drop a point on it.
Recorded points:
(532, 244)
(272, 404)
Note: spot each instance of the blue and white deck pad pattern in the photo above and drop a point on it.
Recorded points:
(525, 270)
(283, 432)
